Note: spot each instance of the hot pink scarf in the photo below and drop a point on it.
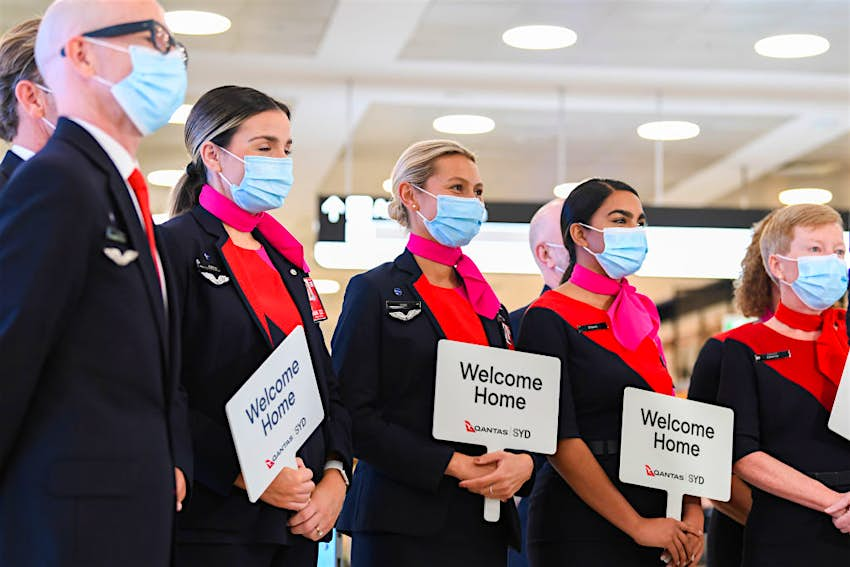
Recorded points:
(481, 295)
(633, 315)
(231, 214)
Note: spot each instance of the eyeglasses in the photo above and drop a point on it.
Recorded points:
(160, 37)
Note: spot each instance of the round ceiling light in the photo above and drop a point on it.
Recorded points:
(194, 22)
(165, 177)
(563, 190)
(540, 37)
(805, 195)
(387, 185)
(668, 130)
(327, 287)
(463, 124)
(181, 114)
(792, 46)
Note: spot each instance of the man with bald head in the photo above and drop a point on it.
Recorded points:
(551, 256)
(27, 111)
(93, 436)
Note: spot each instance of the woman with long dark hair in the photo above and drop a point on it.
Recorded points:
(244, 286)
(606, 336)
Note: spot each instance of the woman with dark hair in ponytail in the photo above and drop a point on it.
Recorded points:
(606, 336)
(244, 286)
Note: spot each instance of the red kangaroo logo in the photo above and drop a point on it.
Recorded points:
(469, 426)
(269, 463)
(649, 471)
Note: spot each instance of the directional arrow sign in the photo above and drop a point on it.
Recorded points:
(333, 207)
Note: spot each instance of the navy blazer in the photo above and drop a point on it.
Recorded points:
(10, 163)
(223, 343)
(386, 367)
(93, 422)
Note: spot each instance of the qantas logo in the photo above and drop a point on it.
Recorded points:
(269, 463)
(655, 472)
(469, 427)
(483, 428)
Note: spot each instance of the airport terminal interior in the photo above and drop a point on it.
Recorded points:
(681, 99)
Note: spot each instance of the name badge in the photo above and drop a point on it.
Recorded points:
(592, 327)
(773, 355)
(316, 306)
(211, 273)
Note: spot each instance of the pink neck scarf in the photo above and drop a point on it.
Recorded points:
(229, 213)
(633, 315)
(481, 295)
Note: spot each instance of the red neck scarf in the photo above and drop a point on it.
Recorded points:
(231, 214)
(481, 295)
(633, 315)
(830, 347)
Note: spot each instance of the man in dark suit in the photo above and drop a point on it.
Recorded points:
(93, 434)
(27, 110)
(552, 258)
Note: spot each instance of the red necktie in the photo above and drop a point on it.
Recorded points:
(140, 188)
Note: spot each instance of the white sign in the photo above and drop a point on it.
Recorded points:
(839, 419)
(676, 445)
(498, 398)
(274, 412)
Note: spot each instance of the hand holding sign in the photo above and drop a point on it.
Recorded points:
(676, 445)
(500, 399)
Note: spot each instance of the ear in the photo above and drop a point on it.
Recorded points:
(577, 234)
(30, 99)
(80, 55)
(541, 252)
(407, 195)
(775, 266)
(211, 154)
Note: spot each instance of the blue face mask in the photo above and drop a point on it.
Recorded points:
(821, 280)
(265, 184)
(457, 221)
(153, 90)
(625, 250)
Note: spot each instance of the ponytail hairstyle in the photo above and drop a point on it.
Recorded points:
(215, 118)
(580, 205)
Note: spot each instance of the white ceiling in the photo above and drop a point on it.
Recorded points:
(381, 70)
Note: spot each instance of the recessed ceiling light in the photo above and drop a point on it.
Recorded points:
(194, 22)
(540, 37)
(463, 124)
(668, 130)
(387, 185)
(181, 114)
(792, 46)
(327, 287)
(563, 190)
(805, 195)
(165, 177)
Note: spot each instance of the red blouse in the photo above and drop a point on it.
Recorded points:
(453, 312)
(263, 287)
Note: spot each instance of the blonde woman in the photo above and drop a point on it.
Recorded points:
(416, 501)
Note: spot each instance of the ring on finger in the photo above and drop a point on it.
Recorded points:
(319, 532)
(491, 490)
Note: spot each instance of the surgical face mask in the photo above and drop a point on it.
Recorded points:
(457, 221)
(153, 90)
(821, 280)
(265, 184)
(557, 268)
(625, 250)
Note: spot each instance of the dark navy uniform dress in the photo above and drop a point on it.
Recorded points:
(782, 392)
(402, 509)
(595, 370)
(725, 535)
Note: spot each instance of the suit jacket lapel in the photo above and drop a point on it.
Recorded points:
(407, 264)
(215, 228)
(118, 189)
